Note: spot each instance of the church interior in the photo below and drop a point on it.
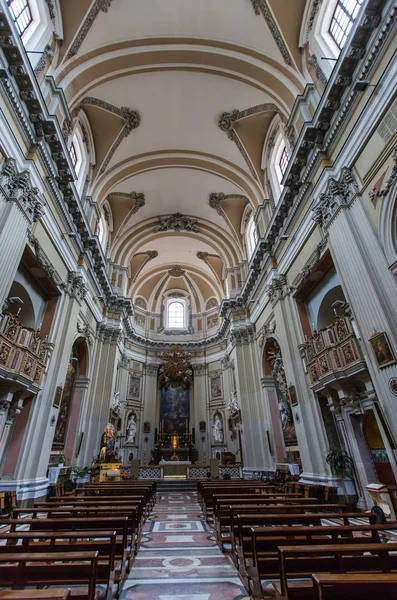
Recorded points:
(198, 277)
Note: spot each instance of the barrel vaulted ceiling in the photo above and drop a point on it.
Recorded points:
(153, 78)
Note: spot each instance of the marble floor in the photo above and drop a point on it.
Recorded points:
(178, 558)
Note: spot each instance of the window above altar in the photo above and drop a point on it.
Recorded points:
(176, 315)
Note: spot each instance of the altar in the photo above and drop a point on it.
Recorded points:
(175, 468)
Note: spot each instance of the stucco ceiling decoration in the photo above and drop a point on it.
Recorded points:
(177, 222)
(139, 261)
(262, 7)
(131, 119)
(176, 272)
(227, 122)
(99, 5)
(123, 206)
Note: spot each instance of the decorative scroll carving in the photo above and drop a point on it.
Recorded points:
(199, 369)
(177, 222)
(17, 186)
(85, 331)
(99, 5)
(76, 287)
(278, 289)
(339, 194)
(176, 272)
(216, 198)
(243, 336)
(140, 303)
(311, 264)
(109, 335)
(42, 62)
(266, 331)
(261, 6)
(176, 295)
(152, 369)
(44, 262)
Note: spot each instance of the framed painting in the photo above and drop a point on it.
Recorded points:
(292, 395)
(134, 388)
(382, 350)
(58, 397)
(216, 386)
(146, 427)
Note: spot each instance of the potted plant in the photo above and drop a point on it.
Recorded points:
(81, 474)
(341, 465)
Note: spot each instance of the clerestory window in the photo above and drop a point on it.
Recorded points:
(283, 162)
(342, 20)
(176, 315)
(21, 14)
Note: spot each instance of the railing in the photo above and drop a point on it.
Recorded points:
(331, 350)
(23, 352)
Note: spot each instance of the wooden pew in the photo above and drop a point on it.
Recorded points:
(105, 543)
(223, 515)
(206, 490)
(258, 559)
(355, 586)
(28, 569)
(51, 594)
(125, 528)
(208, 496)
(135, 503)
(303, 561)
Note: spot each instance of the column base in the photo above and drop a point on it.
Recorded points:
(27, 489)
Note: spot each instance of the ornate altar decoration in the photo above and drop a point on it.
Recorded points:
(275, 359)
(23, 352)
(176, 368)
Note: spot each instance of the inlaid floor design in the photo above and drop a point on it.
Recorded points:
(179, 559)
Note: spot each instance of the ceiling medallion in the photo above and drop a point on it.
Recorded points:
(177, 222)
(176, 367)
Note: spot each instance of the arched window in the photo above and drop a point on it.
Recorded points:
(176, 315)
(342, 20)
(73, 155)
(21, 14)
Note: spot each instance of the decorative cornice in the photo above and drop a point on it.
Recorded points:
(311, 264)
(152, 369)
(17, 187)
(227, 121)
(44, 262)
(99, 5)
(199, 369)
(109, 335)
(261, 7)
(76, 287)
(137, 196)
(177, 222)
(339, 194)
(243, 336)
(131, 117)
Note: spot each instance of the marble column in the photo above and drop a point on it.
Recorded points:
(150, 411)
(200, 410)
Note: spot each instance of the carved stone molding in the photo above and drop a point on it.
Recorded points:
(261, 7)
(17, 187)
(137, 196)
(199, 369)
(177, 222)
(389, 183)
(319, 72)
(109, 335)
(131, 117)
(45, 263)
(243, 336)
(278, 289)
(216, 199)
(99, 5)
(311, 264)
(339, 194)
(176, 295)
(152, 369)
(47, 52)
(266, 331)
(85, 331)
(225, 362)
(176, 272)
(151, 254)
(76, 287)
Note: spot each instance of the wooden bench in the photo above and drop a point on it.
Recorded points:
(105, 543)
(22, 569)
(52, 594)
(356, 586)
(135, 503)
(302, 561)
(223, 522)
(258, 559)
(208, 497)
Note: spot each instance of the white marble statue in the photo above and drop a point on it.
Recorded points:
(217, 429)
(131, 430)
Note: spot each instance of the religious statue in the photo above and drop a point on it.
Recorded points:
(217, 429)
(131, 430)
(108, 441)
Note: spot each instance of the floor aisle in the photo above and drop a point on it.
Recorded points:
(179, 559)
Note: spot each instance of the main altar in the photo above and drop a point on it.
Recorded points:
(175, 469)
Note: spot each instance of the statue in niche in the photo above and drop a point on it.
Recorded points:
(217, 429)
(131, 430)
